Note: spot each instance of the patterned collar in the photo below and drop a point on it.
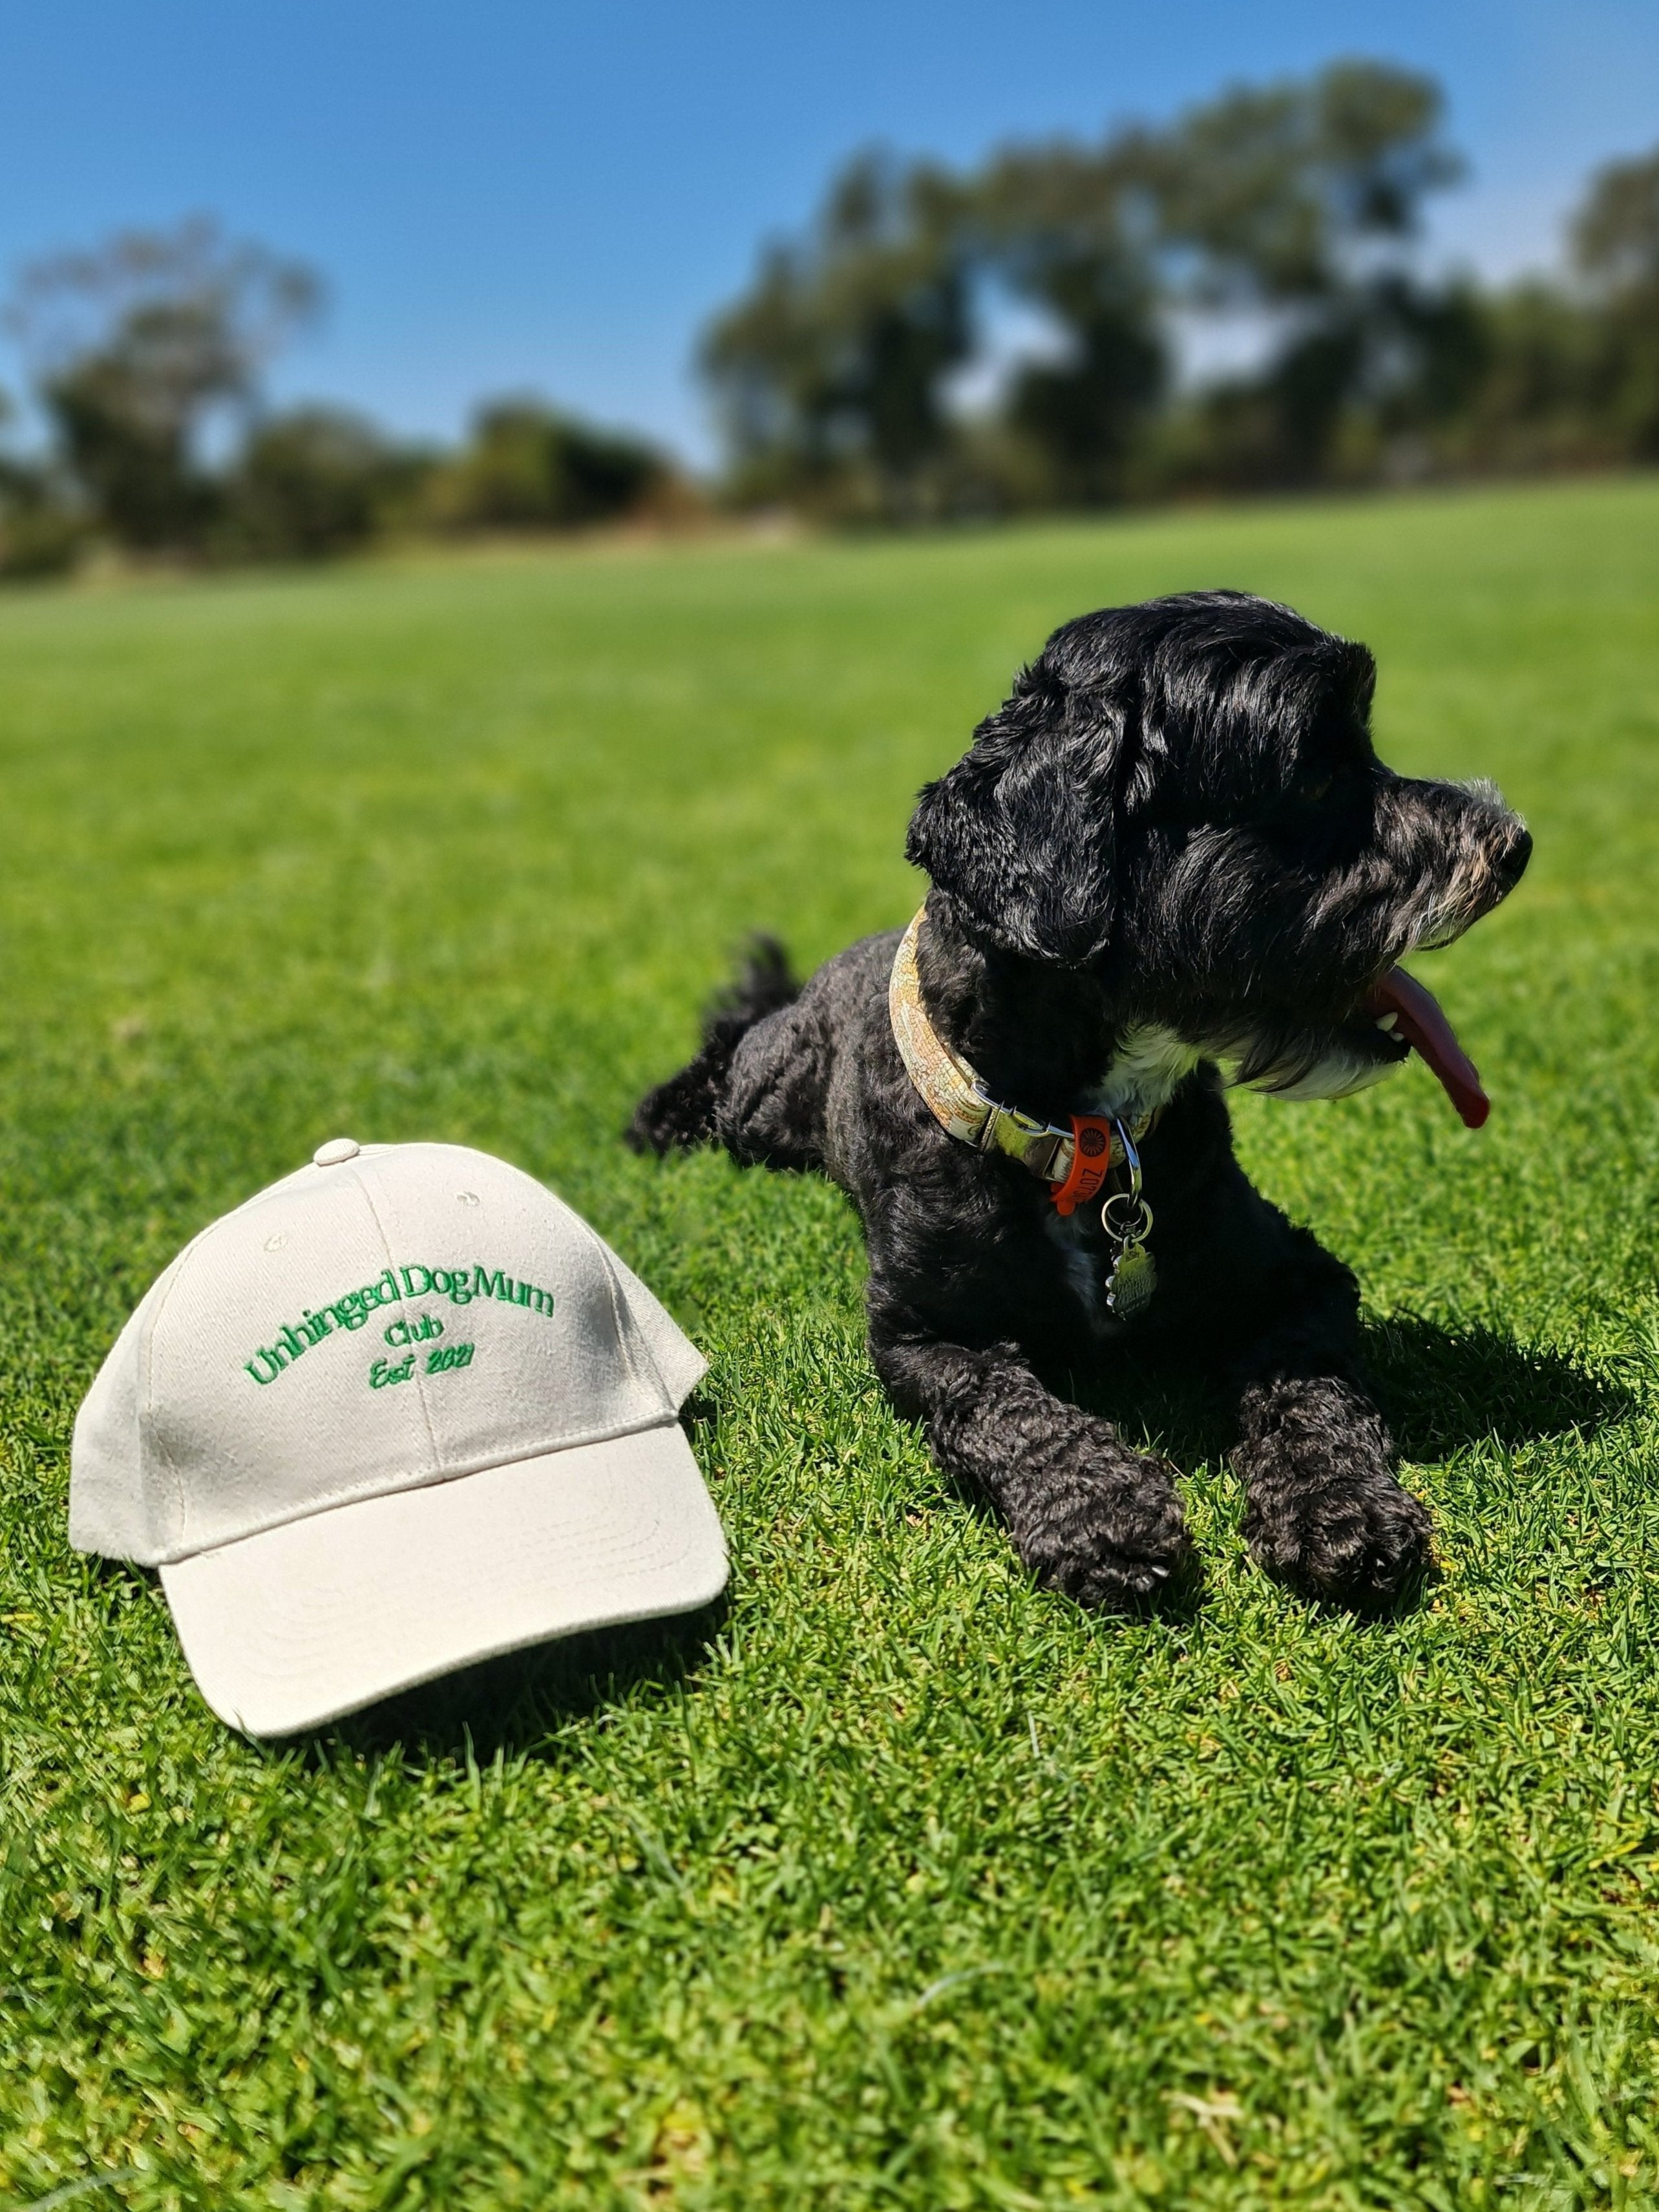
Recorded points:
(1076, 1160)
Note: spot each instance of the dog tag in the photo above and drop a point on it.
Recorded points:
(1133, 1279)
(1128, 1220)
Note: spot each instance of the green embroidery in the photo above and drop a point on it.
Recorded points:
(353, 1309)
(384, 1372)
(421, 1330)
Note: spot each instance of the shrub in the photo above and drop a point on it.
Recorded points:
(40, 533)
(309, 485)
(527, 466)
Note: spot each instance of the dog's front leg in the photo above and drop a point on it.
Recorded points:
(1324, 1511)
(1087, 1515)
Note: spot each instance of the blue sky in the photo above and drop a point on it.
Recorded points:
(507, 196)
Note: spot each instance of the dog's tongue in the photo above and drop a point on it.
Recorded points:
(1426, 1029)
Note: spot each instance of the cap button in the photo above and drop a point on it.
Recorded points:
(335, 1151)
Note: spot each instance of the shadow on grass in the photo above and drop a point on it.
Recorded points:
(525, 1701)
(520, 1702)
(1442, 1390)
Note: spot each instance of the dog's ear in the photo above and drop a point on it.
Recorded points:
(1021, 831)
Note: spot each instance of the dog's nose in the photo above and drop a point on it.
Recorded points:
(1511, 857)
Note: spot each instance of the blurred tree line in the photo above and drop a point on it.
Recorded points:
(1289, 214)
(865, 376)
(147, 356)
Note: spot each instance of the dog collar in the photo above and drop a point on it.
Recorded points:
(1076, 1161)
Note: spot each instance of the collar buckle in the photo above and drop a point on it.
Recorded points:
(1036, 1144)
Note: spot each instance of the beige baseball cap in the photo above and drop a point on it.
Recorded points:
(402, 1411)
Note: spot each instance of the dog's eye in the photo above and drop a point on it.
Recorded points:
(1312, 793)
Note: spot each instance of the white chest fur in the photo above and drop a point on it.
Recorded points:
(1146, 1070)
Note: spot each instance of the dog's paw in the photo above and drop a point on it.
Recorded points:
(1110, 1538)
(1326, 1515)
(1358, 1543)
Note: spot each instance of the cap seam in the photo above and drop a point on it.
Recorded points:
(622, 1322)
(151, 1433)
(418, 1379)
(150, 1436)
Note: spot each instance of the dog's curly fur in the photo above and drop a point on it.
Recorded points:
(1173, 847)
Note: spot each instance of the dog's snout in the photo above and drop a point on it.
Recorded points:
(1514, 851)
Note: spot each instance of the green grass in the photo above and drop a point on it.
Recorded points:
(898, 1883)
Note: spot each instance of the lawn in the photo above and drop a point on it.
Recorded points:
(896, 1883)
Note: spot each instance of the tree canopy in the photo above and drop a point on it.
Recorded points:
(1299, 201)
(834, 364)
(936, 342)
(147, 355)
(135, 344)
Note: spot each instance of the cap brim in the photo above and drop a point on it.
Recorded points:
(304, 1623)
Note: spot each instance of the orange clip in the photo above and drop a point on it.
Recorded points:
(1091, 1162)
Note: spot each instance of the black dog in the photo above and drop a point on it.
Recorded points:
(1173, 846)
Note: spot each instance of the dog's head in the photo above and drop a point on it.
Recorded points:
(1182, 797)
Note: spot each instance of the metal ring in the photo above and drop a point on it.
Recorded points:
(1137, 1229)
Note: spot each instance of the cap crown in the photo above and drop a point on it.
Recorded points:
(410, 1313)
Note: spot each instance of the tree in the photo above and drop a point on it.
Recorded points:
(830, 373)
(1615, 243)
(1279, 188)
(1300, 202)
(135, 346)
(1297, 203)
(1535, 406)
(1071, 231)
(40, 534)
(528, 466)
(1615, 234)
(310, 483)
